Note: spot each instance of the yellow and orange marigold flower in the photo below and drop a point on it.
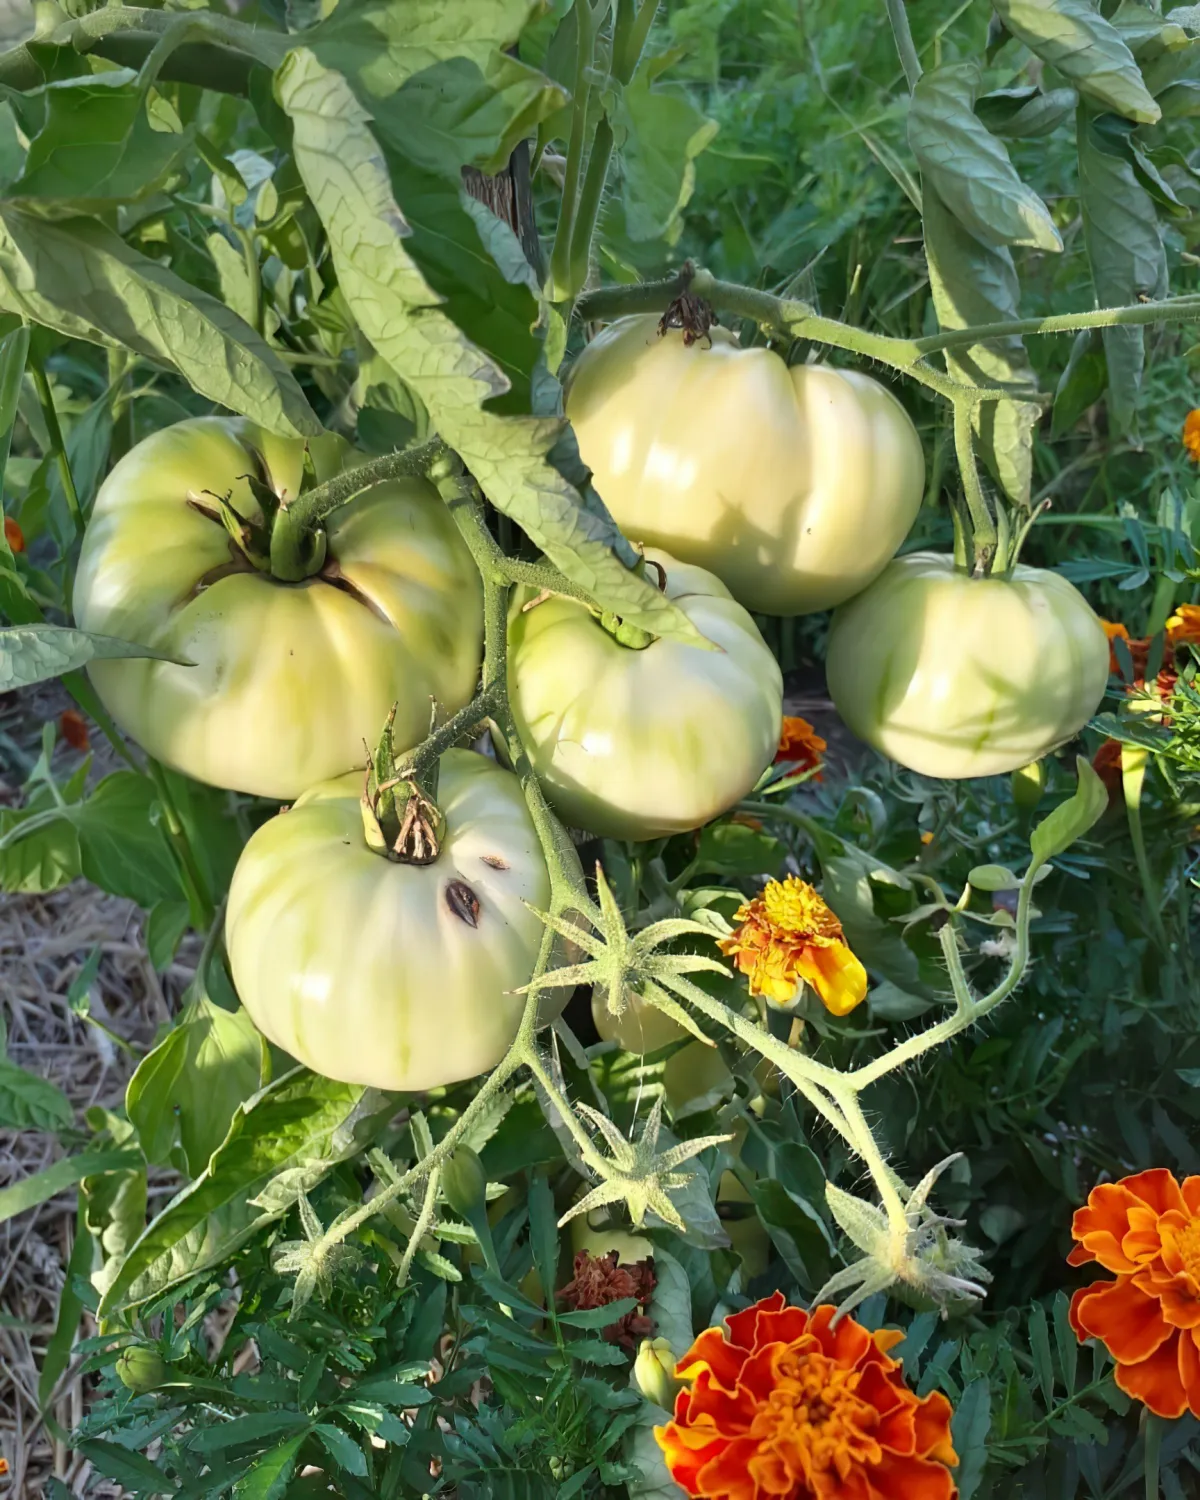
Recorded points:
(784, 1404)
(800, 745)
(1146, 1231)
(13, 535)
(788, 934)
(1191, 434)
(1184, 626)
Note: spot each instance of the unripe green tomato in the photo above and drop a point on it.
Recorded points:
(464, 1182)
(630, 1247)
(395, 975)
(795, 486)
(638, 744)
(1028, 783)
(141, 1370)
(957, 676)
(289, 679)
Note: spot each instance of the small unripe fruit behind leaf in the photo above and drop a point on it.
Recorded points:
(142, 1370)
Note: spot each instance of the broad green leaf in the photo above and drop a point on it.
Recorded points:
(671, 1302)
(737, 849)
(1126, 255)
(968, 167)
(44, 859)
(382, 43)
(79, 278)
(969, 1427)
(342, 1449)
(237, 290)
(14, 349)
(70, 1310)
(456, 114)
(31, 1191)
(1082, 383)
(993, 878)
(1022, 113)
(166, 924)
(35, 653)
(1071, 819)
(659, 134)
(974, 283)
(122, 841)
(280, 1143)
(187, 1089)
(96, 144)
(797, 1231)
(128, 1468)
(347, 180)
(28, 1102)
(114, 1205)
(271, 1475)
(543, 1233)
(1073, 36)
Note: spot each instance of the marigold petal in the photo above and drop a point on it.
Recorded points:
(1156, 1381)
(743, 1326)
(685, 1451)
(898, 1478)
(1080, 1256)
(836, 975)
(1102, 1223)
(712, 1353)
(933, 1429)
(1126, 1320)
(1189, 1371)
(727, 1474)
(1157, 1187)
(1190, 1192)
(847, 1341)
(887, 1338)
(1179, 1307)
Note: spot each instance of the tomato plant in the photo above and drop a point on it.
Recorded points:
(599, 634)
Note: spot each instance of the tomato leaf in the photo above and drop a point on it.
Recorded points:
(968, 167)
(346, 177)
(659, 134)
(1125, 251)
(1071, 819)
(35, 653)
(1083, 381)
(280, 1143)
(28, 1102)
(1073, 36)
(78, 277)
(1020, 114)
(975, 283)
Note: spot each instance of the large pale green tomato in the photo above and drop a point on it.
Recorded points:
(640, 744)
(795, 486)
(957, 676)
(373, 972)
(289, 679)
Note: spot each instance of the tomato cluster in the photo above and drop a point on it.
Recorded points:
(750, 485)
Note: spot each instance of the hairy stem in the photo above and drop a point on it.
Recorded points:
(983, 526)
(421, 1228)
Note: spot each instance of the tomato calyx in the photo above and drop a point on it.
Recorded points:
(401, 820)
(690, 313)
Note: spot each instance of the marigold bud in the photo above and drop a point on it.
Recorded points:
(13, 535)
(141, 1370)
(464, 1182)
(654, 1373)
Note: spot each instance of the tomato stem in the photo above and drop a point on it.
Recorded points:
(984, 536)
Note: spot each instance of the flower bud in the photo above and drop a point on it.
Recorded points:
(1028, 784)
(654, 1373)
(140, 1370)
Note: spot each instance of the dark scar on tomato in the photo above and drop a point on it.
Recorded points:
(463, 902)
(495, 861)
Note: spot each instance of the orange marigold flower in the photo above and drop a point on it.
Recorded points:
(783, 1404)
(788, 934)
(1145, 1230)
(13, 535)
(73, 728)
(927, 836)
(1191, 434)
(801, 745)
(1184, 626)
(1115, 631)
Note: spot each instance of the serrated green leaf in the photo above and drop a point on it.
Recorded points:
(1039, 1344)
(127, 1467)
(342, 1448)
(1073, 36)
(347, 179)
(270, 1476)
(970, 1425)
(78, 277)
(974, 283)
(968, 167)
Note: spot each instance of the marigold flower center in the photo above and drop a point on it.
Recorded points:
(1187, 1247)
(813, 1418)
(792, 906)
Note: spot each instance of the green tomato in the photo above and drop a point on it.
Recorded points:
(374, 972)
(289, 679)
(638, 744)
(957, 676)
(793, 485)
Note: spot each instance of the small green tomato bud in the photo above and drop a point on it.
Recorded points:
(1028, 784)
(141, 1370)
(654, 1373)
(464, 1182)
